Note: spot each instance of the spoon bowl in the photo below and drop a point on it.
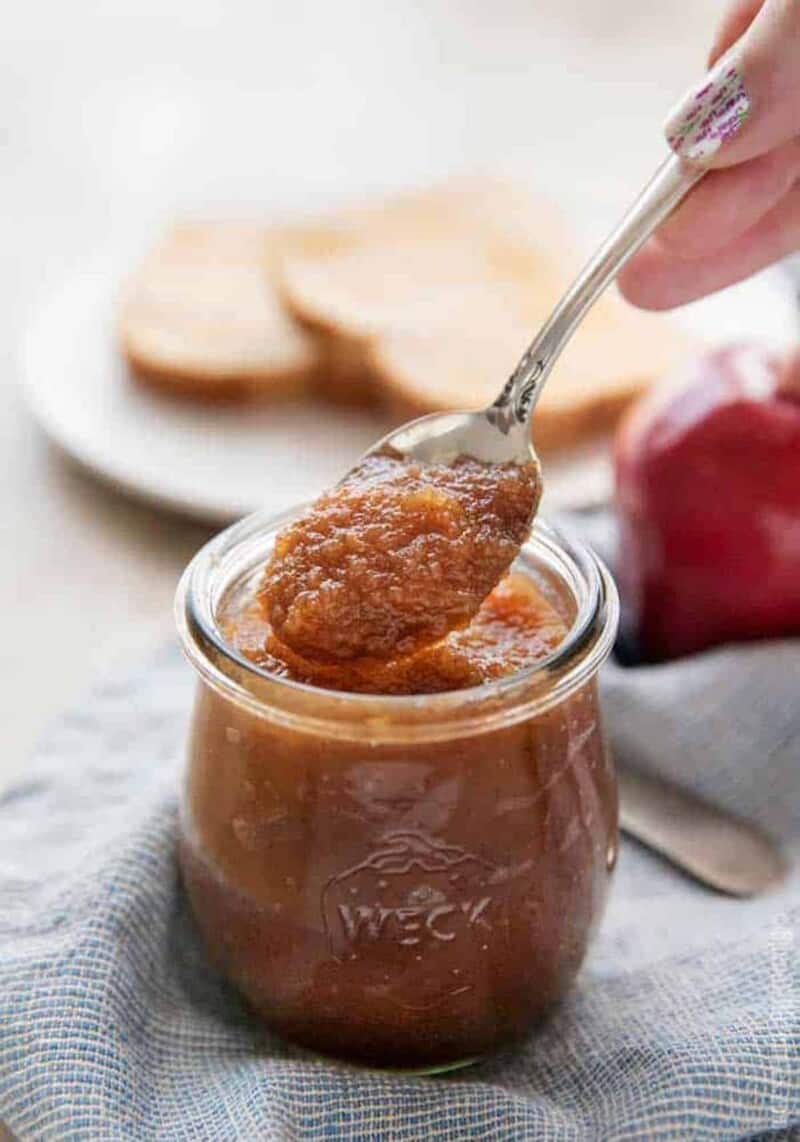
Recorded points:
(444, 436)
(401, 554)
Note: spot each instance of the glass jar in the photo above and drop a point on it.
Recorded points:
(399, 881)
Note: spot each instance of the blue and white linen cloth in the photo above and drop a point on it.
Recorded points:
(685, 1022)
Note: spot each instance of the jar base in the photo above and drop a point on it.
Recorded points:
(425, 1070)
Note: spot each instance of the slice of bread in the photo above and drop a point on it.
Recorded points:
(432, 299)
(461, 363)
(403, 262)
(201, 317)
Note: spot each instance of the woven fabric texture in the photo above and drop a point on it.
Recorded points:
(684, 1024)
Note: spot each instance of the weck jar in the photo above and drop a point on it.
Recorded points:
(403, 881)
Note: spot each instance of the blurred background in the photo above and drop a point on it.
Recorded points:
(116, 118)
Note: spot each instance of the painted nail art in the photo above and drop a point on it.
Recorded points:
(703, 121)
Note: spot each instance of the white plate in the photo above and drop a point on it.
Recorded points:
(218, 463)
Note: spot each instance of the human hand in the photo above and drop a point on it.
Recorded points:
(742, 122)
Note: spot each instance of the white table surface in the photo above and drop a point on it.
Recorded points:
(116, 116)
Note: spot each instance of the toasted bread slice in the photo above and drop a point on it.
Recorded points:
(403, 262)
(342, 376)
(613, 357)
(436, 295)
(202, 318)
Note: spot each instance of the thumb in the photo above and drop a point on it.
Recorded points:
(749, 102)
(737, 19)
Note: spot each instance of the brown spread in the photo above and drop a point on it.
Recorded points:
(407, 905)
(514, 628)
(382, 887)
(396, 555)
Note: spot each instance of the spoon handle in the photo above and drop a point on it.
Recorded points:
(671, 182)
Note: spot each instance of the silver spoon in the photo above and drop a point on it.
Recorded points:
(501, 432)
(720, 851)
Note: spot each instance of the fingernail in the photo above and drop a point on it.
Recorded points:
(709, 115)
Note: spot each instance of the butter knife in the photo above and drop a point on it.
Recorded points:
(713, 846)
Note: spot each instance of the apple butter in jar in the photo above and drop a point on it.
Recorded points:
(400, 862)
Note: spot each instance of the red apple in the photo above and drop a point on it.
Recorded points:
(708, 498)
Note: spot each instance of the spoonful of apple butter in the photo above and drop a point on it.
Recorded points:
(408, 545)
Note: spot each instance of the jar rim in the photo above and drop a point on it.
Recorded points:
(573, 662)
